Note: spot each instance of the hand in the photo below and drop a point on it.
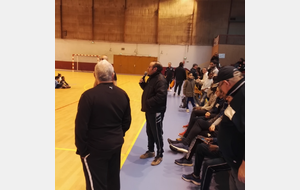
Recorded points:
(241, 172)
(197, 108)
(212, 128)
(207, 140)
(213, 147)
(207, 114)
(141, 80)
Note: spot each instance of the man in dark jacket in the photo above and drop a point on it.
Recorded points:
(231, 136)
(103, 117)
(180, 76)
(169, 73)
(154, 101)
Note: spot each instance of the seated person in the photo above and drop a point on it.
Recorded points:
(204, 88)
(213, 106)
(59, 79)
(57, 83)
(203, 127)
(215, 163)
(64, 82)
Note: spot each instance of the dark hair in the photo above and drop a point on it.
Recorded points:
(195, 64)
(56, 77)
(158, 66)
(215, 62)
(214, 89)
(180, 64)
(59, 74)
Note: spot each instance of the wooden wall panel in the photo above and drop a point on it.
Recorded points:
(176, 22)
(211, 20)
(141, 22)
(109, 20)
(232, 53)
(77, 19)
(126, 64)
(149, 21)
(57, 19)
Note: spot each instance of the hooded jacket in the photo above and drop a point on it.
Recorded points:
(189, 87)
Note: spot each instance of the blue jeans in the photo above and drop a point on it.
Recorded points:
(191, 99)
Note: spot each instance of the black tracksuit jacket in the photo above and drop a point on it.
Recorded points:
(231, 135)
(103, 117)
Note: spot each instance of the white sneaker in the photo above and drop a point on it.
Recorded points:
(187, 110)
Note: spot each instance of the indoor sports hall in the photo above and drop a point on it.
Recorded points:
(135, 173)
(132, 33)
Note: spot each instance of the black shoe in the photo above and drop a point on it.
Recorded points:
(180, 147)
(184, 162)
(172, 142)
(173, 149)
(191, 178)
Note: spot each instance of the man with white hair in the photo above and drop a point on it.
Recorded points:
(103, 117)
(231, 136)
(104, 57)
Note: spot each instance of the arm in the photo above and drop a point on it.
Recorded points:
(210, 104)
(81, 125)
(184, 87)
(142, 83)
(126, 119)
(217, 121)
(241, 172)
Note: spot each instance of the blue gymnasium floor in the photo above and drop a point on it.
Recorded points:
(138, 174)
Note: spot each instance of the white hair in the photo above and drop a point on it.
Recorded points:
(104, 71)
(237, 75)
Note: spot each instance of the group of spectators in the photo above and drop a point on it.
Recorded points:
(215, 133)
(60, 82)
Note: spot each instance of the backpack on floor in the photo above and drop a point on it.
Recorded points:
(183, 102)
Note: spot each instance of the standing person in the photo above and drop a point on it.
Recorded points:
(231, 136)
(180, 76)
(103, 117)
(104, 57)
(169, 74)
(215, 57)
(188, 91)
(154, 100)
